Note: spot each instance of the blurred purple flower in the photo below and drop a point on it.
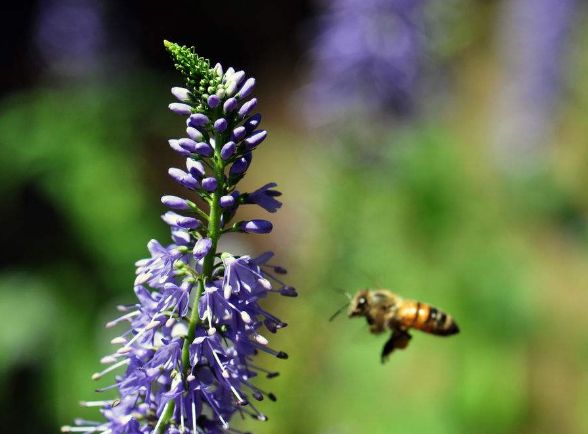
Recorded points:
(534, 40)
(367, 58)
(70, 34)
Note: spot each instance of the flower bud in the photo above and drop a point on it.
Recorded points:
(209, 184)
(201, 248)
(187, 144)
(255, 139)
(228, 150)
(256, 226)
(175, 202)
(247, 108)
(175, 145)
(220, 125)
(194, 134)
(246, 88)
(196, 168)
(213, 101)
(204, 149)
(181, 94)
(227, 201)
(197, 120)
(239, 133)
(230, 105)
(180, 109)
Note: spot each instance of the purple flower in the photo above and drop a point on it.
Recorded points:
(158, 269)
(534, 44)
(367, 57)
(185, 361)
(265, 197)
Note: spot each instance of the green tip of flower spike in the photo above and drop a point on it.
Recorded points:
(201, 79)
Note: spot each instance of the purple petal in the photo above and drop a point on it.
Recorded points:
(209, 184)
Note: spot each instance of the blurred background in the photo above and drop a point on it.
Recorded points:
(438, 149)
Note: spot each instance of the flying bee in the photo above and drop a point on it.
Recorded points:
(385, 310)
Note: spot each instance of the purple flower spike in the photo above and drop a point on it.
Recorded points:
(256, 226)
(196, 168)
(213, 101)
(175, 202)
(187, 358)
(265, 197)
(228, 150)
(188, 144)
(247, 88)
(227, 201)
(255, 139)
(230, 105)
(180, 108)
(183, 178)
(175, 145)
(181, 94)
(201, 248)
(220, 125)
(194, 134)
(204, 149)
(252, 123)
(197, 120)
(247, 107)
(209, 184)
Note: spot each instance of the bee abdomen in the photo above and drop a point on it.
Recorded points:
(427, 318)
(439, 323)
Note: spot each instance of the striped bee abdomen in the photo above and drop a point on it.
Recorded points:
(429, 319)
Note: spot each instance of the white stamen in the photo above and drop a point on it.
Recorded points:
(82, 429)
(260, 339)
(245, 317)
(180, 330)
(194, 416)
(119, 340)
(122, 318)
(109, 359)
(99, 375)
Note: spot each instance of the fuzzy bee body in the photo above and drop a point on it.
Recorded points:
(385, 310)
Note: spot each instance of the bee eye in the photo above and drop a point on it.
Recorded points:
(362, 301)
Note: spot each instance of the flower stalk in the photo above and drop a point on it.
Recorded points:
(197, 325)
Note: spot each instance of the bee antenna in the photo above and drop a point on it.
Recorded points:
(341, 309)
(345, 293)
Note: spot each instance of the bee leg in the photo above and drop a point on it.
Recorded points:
(398, 340)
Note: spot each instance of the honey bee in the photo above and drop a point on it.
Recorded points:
(385, 310)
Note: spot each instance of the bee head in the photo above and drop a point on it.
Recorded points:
(359, 304)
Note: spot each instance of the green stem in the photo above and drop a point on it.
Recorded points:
(214, 232)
